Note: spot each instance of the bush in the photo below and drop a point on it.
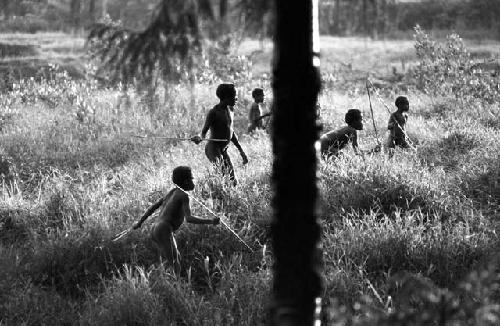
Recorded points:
(447, 69)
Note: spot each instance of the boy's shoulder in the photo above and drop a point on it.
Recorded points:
(176, 194)
(345, 130)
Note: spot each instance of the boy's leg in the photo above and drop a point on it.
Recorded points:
(213, 151)
(227, 167)
(163, 236)
(403, 143)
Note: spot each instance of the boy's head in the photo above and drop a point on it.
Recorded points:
(354, 118)
(227, 94)
(402, 103)
(183, 177)
(258, 95)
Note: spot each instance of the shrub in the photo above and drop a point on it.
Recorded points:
(447, 69)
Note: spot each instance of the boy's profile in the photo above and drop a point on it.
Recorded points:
(219, 121)
(397, 124)
(334, 141)
(174, 208)
(255, 118)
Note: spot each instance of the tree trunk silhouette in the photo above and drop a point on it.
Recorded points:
(384, 18)
(337, 15)
(75, 8)
(364, 16)
(92, 11)
(375, 21)
(5, 8)
(104, 8)
(295, 232)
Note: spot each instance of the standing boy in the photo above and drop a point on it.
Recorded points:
(334, 141)
(174, 208)
(397, 124)
(220, 123)
(255, 118)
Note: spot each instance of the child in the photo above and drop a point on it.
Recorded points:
(220, 123)
(174, 207)
(397, 124)
(332, 142)
(255, 113)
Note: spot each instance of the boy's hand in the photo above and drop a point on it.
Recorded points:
(216, 220)
(137, 225)
(196, 139)
(245, 158)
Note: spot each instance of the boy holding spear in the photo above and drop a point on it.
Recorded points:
(174, 208)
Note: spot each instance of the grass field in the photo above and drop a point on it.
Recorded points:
(412, 234)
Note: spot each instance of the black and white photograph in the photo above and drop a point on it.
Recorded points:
(250, 162)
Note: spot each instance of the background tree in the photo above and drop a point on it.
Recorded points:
(75, 11)
(5, 8)
(166, 47)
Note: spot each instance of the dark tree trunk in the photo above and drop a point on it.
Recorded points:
(223, 25)
(104, 8)
(375, 20)
(384, 18)
(92, 11)
(5, 7)
(337, 16)
(364, 16)
(295, 232)
(75, 8)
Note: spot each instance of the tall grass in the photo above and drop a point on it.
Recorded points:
(421, 218)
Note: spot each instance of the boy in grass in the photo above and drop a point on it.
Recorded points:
(255, 117)
(334, 141)
(219, 121)
(397, 124)
(174, 208)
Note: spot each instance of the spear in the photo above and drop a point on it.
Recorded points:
(371, 110)
(179, 138)
(122, 234)
(387, 107)
(211, 212)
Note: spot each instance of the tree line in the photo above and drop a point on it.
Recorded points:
(379, 18)
(374, 18)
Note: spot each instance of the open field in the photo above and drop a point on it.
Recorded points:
(75, 177)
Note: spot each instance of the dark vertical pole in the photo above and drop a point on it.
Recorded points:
(92, 11)
(365, 17)
(295, 232)
(337, 17)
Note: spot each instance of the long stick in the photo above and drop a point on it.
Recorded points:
(211, 212)
(371, 110)
(122, 234)
(179, 138)
(388, 110)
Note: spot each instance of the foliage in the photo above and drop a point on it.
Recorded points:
(165, 48)
(447, 69)
(223, 66)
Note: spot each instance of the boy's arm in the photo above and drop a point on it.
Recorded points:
(391, 123)
(355, 146)
(150, 211)
(208, 123)
(206, 126)
(236, 143)
(194, 219)
(254, 114)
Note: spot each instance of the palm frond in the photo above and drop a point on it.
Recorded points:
(173, 37)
